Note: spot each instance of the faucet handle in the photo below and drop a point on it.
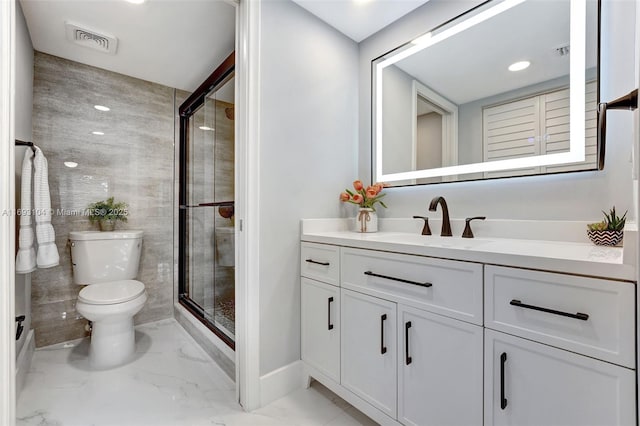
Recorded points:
(467, 233)
(425, 229)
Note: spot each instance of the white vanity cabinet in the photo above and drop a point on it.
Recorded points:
(369, 349)
(439, 370)
(531, 384)
(321, 327)
(411, 336)
(420, 340)
(556, 365)
(320, 308)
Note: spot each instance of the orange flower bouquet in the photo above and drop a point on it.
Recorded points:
(367, 197)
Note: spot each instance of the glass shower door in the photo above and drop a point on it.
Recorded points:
(207, 229)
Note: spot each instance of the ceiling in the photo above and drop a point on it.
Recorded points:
(358, 19)
(177, 43)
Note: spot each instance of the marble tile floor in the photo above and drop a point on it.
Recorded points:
(170, 382)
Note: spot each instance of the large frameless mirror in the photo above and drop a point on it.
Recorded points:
(509, 88)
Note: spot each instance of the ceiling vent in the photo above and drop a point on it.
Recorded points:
(92, 39)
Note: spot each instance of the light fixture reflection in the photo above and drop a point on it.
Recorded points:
(71, 164)
(102, 108)
(206, 128)
(97, 133)
(422, 39)
(519, 66)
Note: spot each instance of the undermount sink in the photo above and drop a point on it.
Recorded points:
(428, 240)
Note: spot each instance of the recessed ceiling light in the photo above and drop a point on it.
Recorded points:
(97, 133)
(519, 66)
(102, 108)
(206, 128)
(71, 164)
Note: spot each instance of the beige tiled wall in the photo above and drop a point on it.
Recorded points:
(133, 161)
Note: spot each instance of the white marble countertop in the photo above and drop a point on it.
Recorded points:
(573, 257)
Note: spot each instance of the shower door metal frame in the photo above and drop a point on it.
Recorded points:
(186, 110)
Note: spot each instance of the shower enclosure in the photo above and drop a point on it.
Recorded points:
(206, 269)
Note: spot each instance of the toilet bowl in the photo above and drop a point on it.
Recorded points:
(111, 307)
(106, 262)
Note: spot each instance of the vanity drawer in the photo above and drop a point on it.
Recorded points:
(320, 262)
(591, 316)
(445, 287)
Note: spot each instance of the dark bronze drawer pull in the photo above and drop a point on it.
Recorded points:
(503, 399)
(317, 263)
(383, 348)
(578, 315)
(402, 280)
(407, 358)
(329, 325)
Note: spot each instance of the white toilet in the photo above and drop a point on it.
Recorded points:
(107, 262)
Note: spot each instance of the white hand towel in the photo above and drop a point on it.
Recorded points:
(47, 256)
(26, 258)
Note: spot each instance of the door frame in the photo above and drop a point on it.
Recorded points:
(247, 199)
(7, 207)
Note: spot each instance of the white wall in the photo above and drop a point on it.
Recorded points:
(309, 128)
(24, 103)
(397, 120)
(579, 196)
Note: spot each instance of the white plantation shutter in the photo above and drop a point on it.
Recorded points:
(535, 126)
(510, 131)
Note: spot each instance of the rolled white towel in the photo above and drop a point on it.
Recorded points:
(26, 257)
(47, 255)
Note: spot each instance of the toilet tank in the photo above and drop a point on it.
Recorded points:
(99, 257)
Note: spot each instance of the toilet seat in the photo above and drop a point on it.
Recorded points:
(110, 293)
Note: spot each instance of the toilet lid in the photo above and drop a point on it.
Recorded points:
(111, 292)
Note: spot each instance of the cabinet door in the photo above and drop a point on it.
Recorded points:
(440, 370)
(369, 349)
(528, 383)
(321, 327)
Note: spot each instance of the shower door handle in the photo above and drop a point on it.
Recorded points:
(214, 204)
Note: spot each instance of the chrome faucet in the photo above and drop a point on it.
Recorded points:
(446, 225)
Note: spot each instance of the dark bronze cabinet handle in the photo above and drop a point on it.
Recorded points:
(407, 359)
(317, 263)
(383, 348)
(503, 400)
(402, 280)
(577, 315)
(329, 325)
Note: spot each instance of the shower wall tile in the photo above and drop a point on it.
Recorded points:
(133, 161)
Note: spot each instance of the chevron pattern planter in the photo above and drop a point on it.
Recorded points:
(605, 238)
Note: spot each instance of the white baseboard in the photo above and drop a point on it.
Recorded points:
(280, 382)
(23, 363)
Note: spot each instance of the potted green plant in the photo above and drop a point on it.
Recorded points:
(609, 232)
(107, 213)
